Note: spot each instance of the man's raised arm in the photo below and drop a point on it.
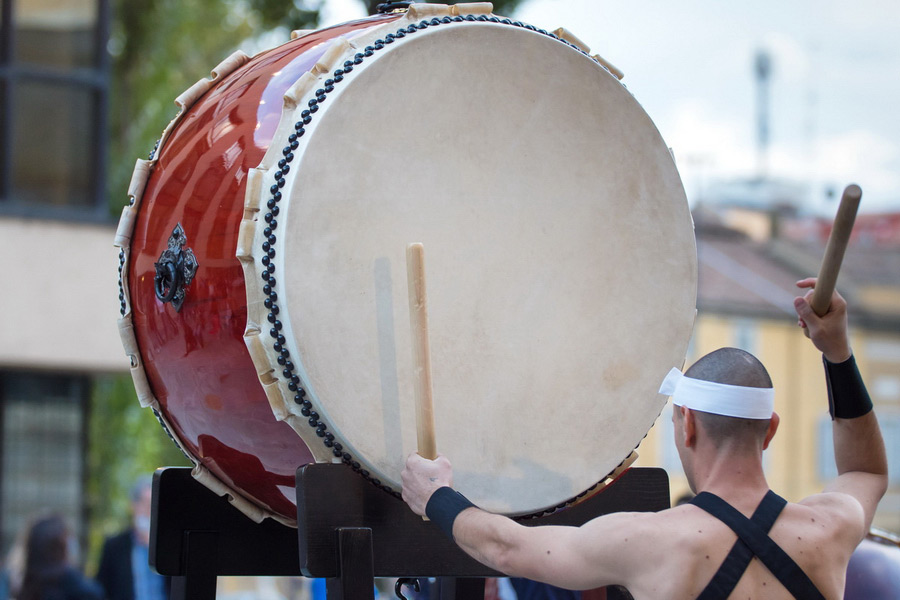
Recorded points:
(858, 446)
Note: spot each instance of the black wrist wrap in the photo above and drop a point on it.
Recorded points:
(847, 395)
(444, 506)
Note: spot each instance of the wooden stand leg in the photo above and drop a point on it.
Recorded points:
(357, 564)
(199, 579)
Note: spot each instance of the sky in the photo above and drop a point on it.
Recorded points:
(834, 89)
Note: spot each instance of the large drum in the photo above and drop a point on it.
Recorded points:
(264, 295)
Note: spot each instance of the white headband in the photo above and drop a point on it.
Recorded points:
(718, 398)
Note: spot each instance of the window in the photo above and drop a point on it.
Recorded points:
(43, 463)
(745, 334)
(54, 87)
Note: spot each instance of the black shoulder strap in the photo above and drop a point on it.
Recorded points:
(753, 534)
(737, 561)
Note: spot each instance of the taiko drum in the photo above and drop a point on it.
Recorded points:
(263, 278)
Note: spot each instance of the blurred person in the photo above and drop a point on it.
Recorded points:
(124, 570)
(4, 583)
(47, 571)
(15, 565)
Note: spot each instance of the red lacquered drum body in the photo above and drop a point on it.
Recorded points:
(198, 373)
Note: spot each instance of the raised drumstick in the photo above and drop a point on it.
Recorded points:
(834, 250)
(418, 322)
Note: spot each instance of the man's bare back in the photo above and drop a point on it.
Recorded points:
(676, 552)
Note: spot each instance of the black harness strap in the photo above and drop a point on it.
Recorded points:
(737, 561)
(753, 539)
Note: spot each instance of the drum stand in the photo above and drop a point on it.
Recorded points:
(348, 532)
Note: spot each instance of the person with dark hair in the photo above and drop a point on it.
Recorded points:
(124, 570)
(737, 538)
(48, 573)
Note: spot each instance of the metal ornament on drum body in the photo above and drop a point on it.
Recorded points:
(562, 265)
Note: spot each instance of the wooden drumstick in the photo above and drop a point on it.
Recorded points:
(418, 322)
(834, 250)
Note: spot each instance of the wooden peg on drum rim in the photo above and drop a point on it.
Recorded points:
(418, 322)
(834, 250)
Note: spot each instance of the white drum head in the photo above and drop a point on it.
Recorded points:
(560, 262)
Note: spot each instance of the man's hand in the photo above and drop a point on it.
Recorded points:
(828, 332)
(422, 477)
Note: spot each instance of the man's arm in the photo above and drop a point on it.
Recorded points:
(602, 552)
(596, 554)
(858, 445)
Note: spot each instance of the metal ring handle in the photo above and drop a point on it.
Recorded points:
(169, 276)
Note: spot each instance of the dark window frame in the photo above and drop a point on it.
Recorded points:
(95, 80)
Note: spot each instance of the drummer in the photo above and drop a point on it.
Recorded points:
(723, 420)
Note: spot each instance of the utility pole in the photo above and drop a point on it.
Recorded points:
(763, 70)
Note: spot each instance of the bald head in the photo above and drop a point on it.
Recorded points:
(731, 366)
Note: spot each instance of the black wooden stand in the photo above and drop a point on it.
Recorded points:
(349, 532)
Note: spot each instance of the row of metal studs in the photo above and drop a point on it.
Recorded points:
(122, 306)
(284, 166)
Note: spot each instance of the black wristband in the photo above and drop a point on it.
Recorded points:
(847, 395)
(444, 506)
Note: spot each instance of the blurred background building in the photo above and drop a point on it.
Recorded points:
(85, 85)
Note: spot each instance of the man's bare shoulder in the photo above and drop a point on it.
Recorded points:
(651, 526)
(643, 525)
(630, 535)
(830, 501)
(839, 513)
(657, 537)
